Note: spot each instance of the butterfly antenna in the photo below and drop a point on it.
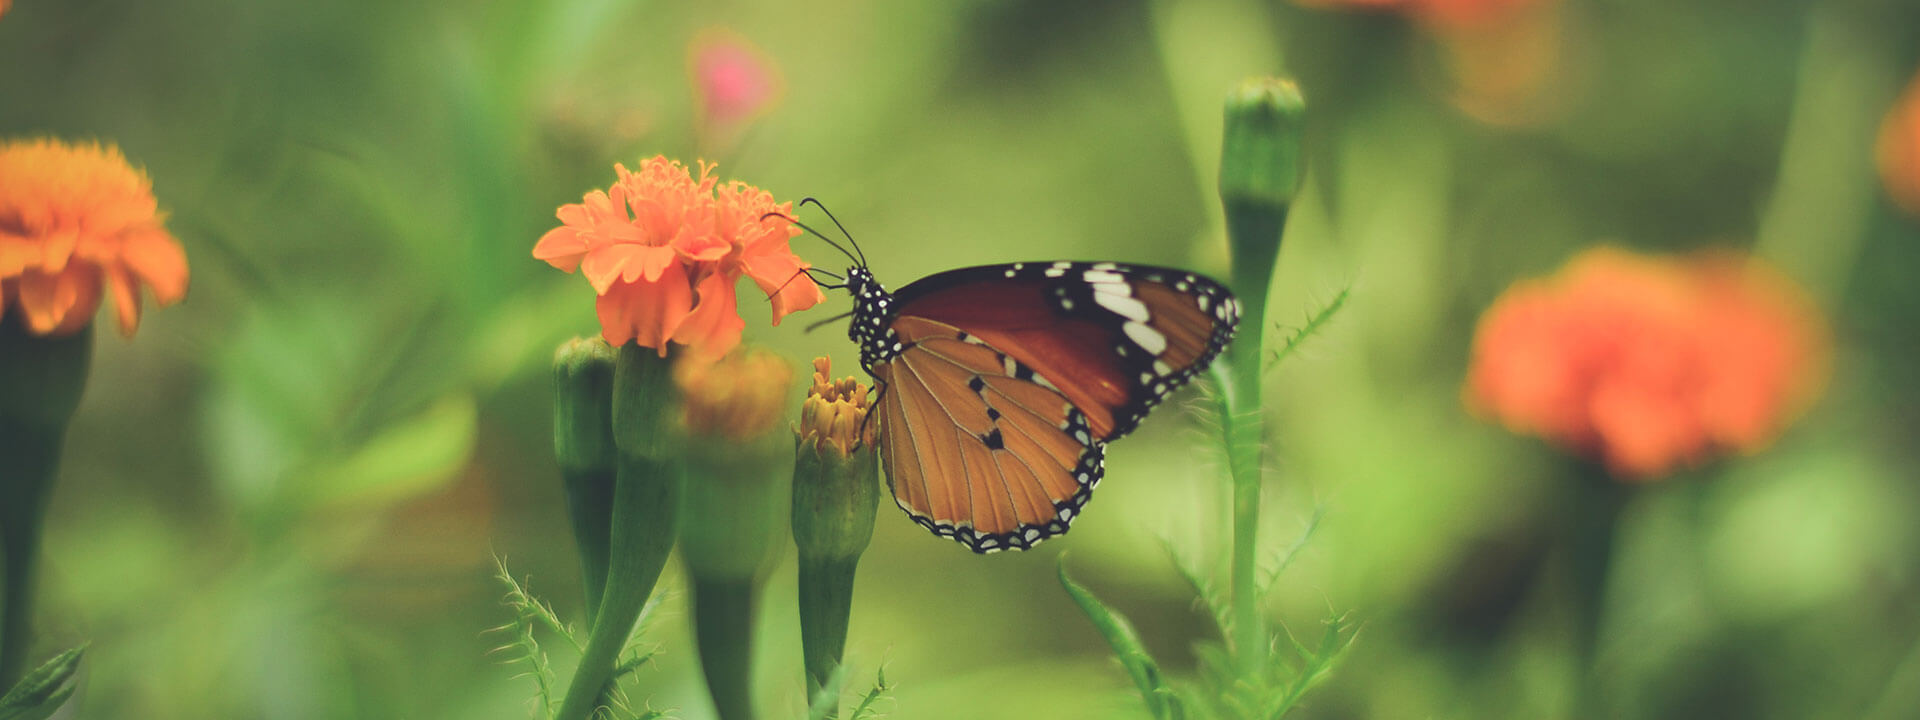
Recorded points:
(803, 226)
(815, 325)
(836, 223)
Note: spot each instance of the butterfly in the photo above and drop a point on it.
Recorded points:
(998, 387)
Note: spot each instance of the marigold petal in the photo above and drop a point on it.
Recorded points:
(59, 303)
(605, 265)
(652, 262)
(17, 252)
(646, 313)
(780, 276)
(126, 299)
(714, 326)
(155, 258)
(701, 247)
(562, 247)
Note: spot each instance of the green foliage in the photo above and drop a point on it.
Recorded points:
(1313, 325)
(522, 649)
(1126, 644)
(41, 692)
(825, 702)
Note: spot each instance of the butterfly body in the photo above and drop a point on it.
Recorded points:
(1000, 386)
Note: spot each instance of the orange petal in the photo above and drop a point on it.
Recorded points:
(701, 246)
(561, 247)
(646, 313)
(605, 264)
(59, 304)
(779, 274)
(155, 258)
(126, 299)
(714, 326)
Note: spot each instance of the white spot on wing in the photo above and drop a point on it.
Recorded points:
(1104, 276)
(1123, 306)
(1147, 338)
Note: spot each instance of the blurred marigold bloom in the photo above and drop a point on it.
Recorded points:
(1651, 363)
(663, 251)
(834, 413)
(75, 219)
(1898, 150)
(733, 79)
(739, 397)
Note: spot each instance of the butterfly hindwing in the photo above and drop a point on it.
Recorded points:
(1001, 385)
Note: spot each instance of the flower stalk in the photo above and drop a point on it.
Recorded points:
(648, 476)
(1260, 168)
(835, 493)
(41, 381)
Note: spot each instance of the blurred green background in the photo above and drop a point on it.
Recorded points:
(282, 498)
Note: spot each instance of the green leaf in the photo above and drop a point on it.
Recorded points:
(44, 690)
(1126, 644)
(1314, 324)
(865, 710)
(406, 459)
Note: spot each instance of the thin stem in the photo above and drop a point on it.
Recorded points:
(645, 524)
(1244, 424)
(826, 605)
(26, 481)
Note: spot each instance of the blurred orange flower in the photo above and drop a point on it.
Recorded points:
(75, 219)
(1651, 363)
(663, 251)
(739, 397)
(1898, 151)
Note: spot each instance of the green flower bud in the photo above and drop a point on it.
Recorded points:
(583, 445)
(648, 477)
(835, 492)
(734, 508)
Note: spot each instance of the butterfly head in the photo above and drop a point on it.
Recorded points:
(873, 309)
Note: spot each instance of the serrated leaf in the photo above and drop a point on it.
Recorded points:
(44, 690)
(1126, 644)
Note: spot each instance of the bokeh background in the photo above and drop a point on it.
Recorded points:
(284, 497)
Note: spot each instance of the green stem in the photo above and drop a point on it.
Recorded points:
(1243, 422)
(1591, 520)
(826, 604)
(26, 482)
(645, 500)
(723, 623)
(41, 380)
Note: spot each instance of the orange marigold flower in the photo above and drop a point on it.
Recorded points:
(1898, 150)
(739, 397)
(835, 413)
(663, 251)
(75, 219)
(1651, 363)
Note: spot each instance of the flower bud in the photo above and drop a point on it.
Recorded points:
(835, 492)
(583, 446)
(733, 508)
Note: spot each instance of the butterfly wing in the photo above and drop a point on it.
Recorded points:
(1011, 380)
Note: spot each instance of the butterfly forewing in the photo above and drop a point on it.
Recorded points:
(1001, 385)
